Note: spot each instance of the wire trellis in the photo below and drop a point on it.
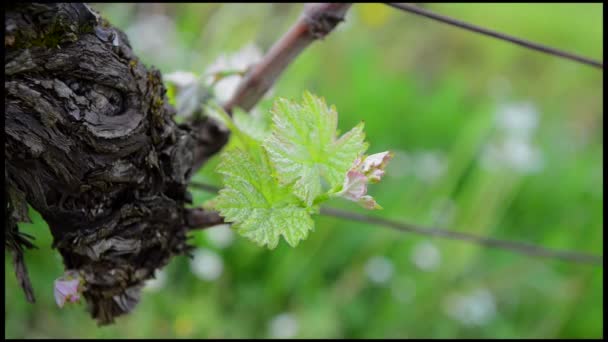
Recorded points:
(512, 246)
(525, 43)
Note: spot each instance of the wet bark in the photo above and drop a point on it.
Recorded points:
(91, 144)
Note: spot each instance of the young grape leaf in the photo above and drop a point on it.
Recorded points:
(252, 126)
(304, 148)
(255, 124)
(259, 207)
(246, 139)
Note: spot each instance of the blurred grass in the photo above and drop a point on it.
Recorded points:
(420, 87)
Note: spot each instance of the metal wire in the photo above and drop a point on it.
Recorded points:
(528, 44)
(512, 246)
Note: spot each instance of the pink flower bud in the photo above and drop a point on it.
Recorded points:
(373, 166)
(363, 171)
(368, 202)
(67, 288)
(375, 175)
(355, 186)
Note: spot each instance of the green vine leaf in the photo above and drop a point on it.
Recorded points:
(276, 175)
(260, 208)
(256, 126)
(304, 147)
(248, 138)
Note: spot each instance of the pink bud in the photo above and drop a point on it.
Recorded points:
(370, 169)
(368, 202)
(355, 186)
(373, 165)
(375, 175)
(377, 160)
(67, 288)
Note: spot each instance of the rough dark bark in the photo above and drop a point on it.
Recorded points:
(91, 145)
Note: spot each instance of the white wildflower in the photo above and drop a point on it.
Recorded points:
(475, 308)
(154, 37)
(181, 78)
(426, 256)
(221, 236)
(206, 264)
(283, 325)
(243, 59)
(379, 269)
(429, 166)
(517, 119)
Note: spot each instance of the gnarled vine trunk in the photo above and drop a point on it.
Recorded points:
(91, 145)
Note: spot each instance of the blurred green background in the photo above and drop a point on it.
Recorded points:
(490, 138)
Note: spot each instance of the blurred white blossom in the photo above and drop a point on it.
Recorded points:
(477, 307)
(283, 325)
(512, 147)
(220, 236)
(154, 36)
(192, 90)
(426, 256)
(517, 119)
(379, 269)
(189, 94)
(513, 153)
(157, 283)
(206, 264)
(181, 78)
(523, 156)
(246, 57)
(430, 165)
